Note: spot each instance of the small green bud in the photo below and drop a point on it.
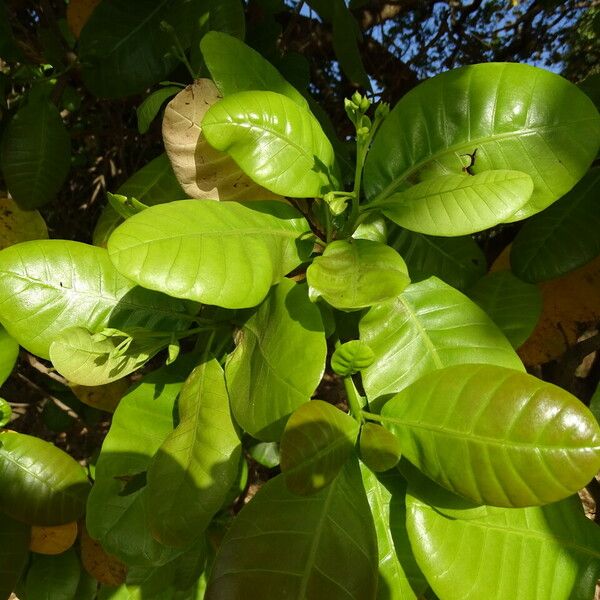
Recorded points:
(382, 110)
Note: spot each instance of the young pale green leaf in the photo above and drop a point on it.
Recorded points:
(303, 547)
(399, 575)
(14, 552)
(459, 261)
(117, 510)
(225, 254)
(351, 357)
(41, 485)
(17, 225)
(428, 327)
(496, 436)
(515, 306)
(278, 362)
(356, 274)
(53, 577)
(51, 285)
(146, 112)
(453, 205)
(379, 449)
(223, 55)
(35, 154)
(485, 552)
(82, 359)
(9, 352)
(190, 475)
(317, 441)
(515, 116)
(5, 412)
(561, 238)
(277, 143)
(265, 454)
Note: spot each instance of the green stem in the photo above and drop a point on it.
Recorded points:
(353, 399)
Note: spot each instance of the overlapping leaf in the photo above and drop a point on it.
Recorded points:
(304, 547)
(267, 377)
(495, 435)
(14, 552)
(226, 254)
(380, 449)
(515, 116)
(9, 351)
(428, 327)
(53, 577)
(193, 470)
(277, 143)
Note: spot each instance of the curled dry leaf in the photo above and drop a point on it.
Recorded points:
(78, 13)
(103, 397)
(202, 171)
(18, 225)
(53, 540)
(103, 567)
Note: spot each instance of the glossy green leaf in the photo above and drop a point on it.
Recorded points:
(317, 441)
(53, 577)
(563, 237)
(117, 511)
(154, 183)
(379, 449)
(14, 552)
(277, 143)
(82, 359)
(223, 55)
(35, 154)
(218, 253)
(459, 261)
(399, 575)
(357, 274)
(351, 357)
(495, 435)
(9, 352)
(146, 112)
(515, 306)
(5, 412)
(452, 205)
(516, 116)
(428, 327)
(320, 546)
(484, 552)
(265, 454)
(278, 362)
(595, 403)
(51, 285)
(41, 485)
(190, 476)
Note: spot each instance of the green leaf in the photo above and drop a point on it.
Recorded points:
(317, 441)
(51, 285)
(223, 55)
(452, 205)
(495, 435)
(190, 476)
(225, 253)
(485, 552)
(561, 238)
(516, 116)
(146, 112)
(35, 154)
(14, 552)
(351, 357)
(5, 412)
(357, 274)
(9, 352)
(319, 546)
(380, 450)
(428, 327)
(459, 261)
(117, 511)
(515, 306)
(53, 577)
(154, 183)
(82, 359)
(399, 575)
(278, 362)
(277, 143)
(265, 454)
(42, 485)
(595, 403)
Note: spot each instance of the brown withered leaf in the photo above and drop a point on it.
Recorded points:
(103, 567)
(103, 397)
(18, 225)
(78, 13)
(53, 540)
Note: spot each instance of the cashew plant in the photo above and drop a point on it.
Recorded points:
(445, 470)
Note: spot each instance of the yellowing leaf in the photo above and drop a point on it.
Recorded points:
(202, 171)
(18, 225)
(107, 569)
(53, 540)
(78, 13)
(104, 397)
